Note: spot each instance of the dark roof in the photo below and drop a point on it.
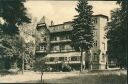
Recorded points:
(61, 24)
(68, 22)
(101, 15)
(63, 29)
(56, 25)
(98, 15)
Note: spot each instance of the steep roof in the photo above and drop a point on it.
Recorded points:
(61, 27)
(42, 20)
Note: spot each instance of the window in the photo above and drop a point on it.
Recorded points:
(51, 58)
(103, 45)
(47, 59)
(65, 58)
(95, 33)
(68, 47)
(69, 59)
(61, 58)
(66, 26)
(62, 38)
(43, 48)
(78, 58)
(56, 59)
(43, 37)
(55, 48)
(58, 27)
(66, 37)
(95, 20)
(95, 43)
(75, 58)
(62, 47)
(95, 57)
(54, 38)
(52, 28)
(103, 57)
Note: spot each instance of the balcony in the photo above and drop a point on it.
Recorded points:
(41, 51)
(56, 30)
(67, 62)
(43, 41)
(53, 51)
(61, 41)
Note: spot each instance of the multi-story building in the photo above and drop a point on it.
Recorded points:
(58, 46)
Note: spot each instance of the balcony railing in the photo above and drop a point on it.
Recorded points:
(67, 62)
(52, 51)
(61, 41)
(54, 30)
(42, 41)
(41, 51)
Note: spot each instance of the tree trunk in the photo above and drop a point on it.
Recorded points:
(87, 59)
(15, 65)
(41, 77)
(81, 59)
(23, 63)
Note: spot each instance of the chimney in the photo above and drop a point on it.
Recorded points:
(52, 23)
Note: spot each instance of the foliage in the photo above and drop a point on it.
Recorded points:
(82, 34)
(11, 48)
(40, 65)
(14, 13)
(117, 34)
(65, 67)
(27, 31)
(29, 54)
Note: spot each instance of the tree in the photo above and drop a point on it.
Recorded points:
(14, 14)
(117, 34)
(82, 34)
(27, 31)
(40, 66)
(29, 55)
(11, 50)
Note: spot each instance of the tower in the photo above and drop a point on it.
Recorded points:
(42, 38)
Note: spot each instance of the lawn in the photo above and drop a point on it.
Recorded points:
(93, 77)
(96, 79)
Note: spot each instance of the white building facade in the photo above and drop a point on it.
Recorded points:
(59, 49)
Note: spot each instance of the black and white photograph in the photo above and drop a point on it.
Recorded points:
(63, 41)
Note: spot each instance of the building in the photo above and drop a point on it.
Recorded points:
(56, 44)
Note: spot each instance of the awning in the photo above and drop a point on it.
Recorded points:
(64, 54)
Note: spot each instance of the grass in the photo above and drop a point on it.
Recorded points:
(98, 79)
(92, 77)
(6, 72)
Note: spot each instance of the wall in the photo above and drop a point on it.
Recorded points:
(103, 42)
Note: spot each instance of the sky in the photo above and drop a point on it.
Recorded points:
(62, 11)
